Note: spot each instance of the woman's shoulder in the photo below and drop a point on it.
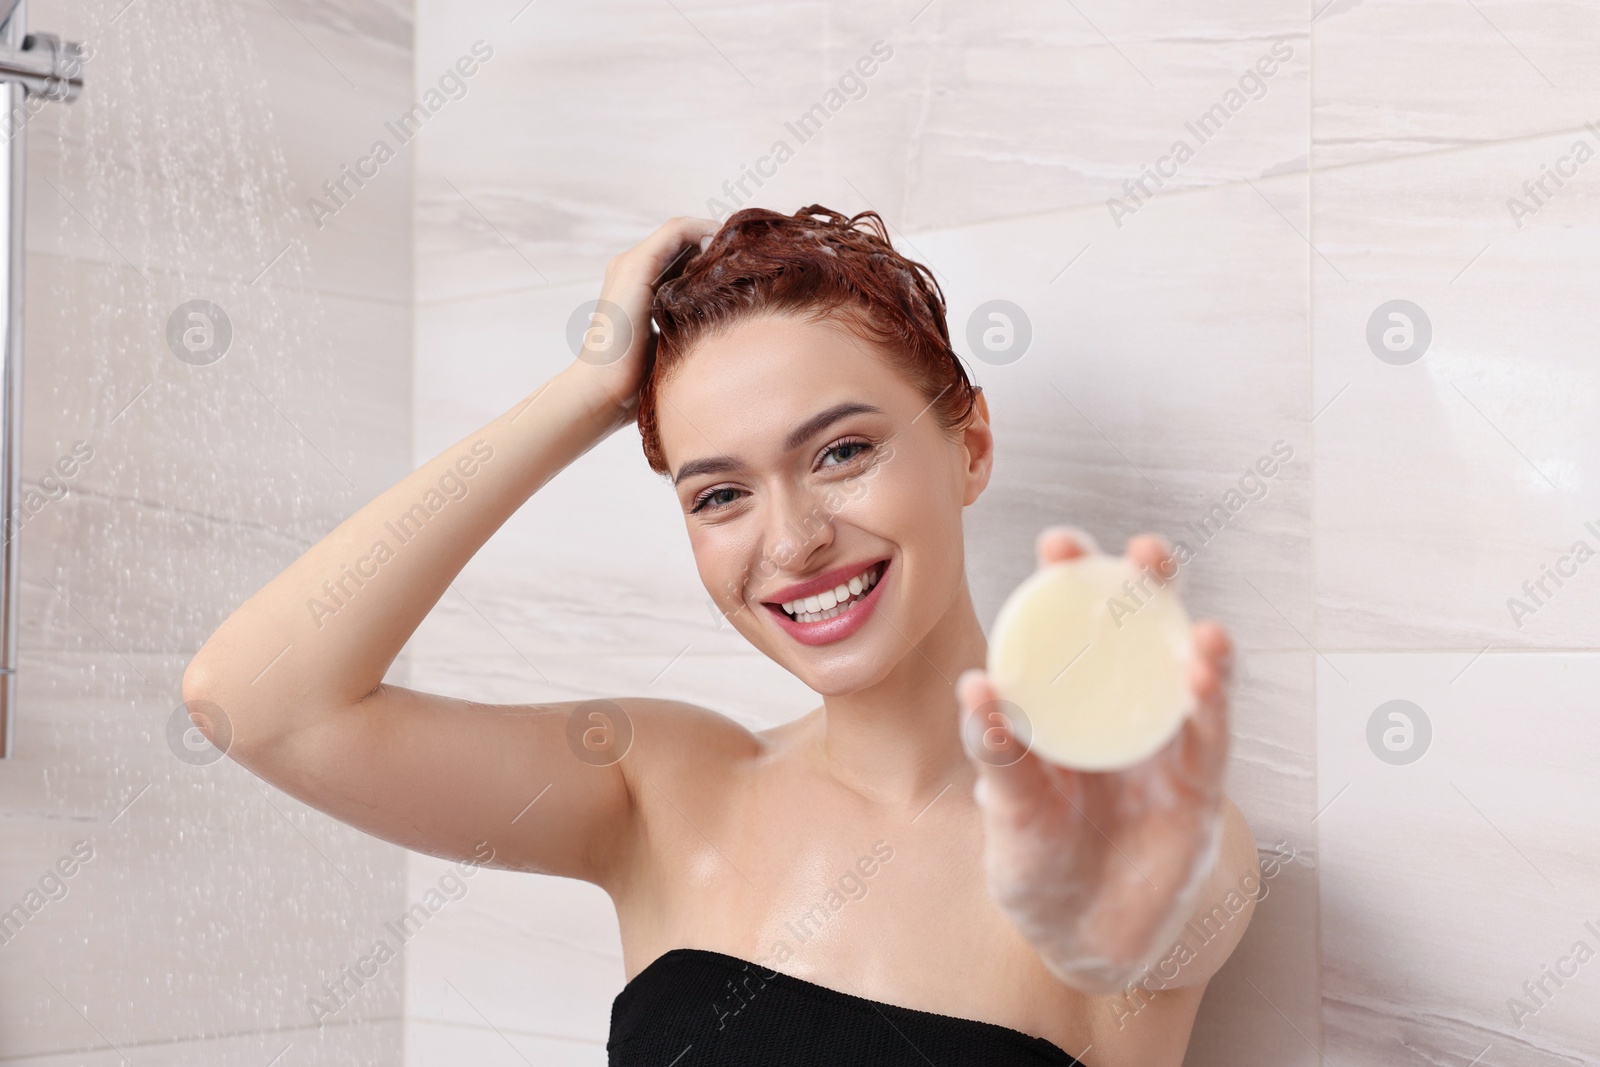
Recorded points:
(671, 737)
(693, 774)
(682, 749)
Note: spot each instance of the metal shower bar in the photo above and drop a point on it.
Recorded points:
(46, 66)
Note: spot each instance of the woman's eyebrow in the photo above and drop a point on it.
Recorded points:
(796, 437)
(708, 465)
(823, 419)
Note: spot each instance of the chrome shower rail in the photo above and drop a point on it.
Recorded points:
(46, 66)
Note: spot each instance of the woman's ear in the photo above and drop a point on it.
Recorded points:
(978, 441)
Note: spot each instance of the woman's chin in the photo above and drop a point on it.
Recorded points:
(835, 687)
(856, 661)
(854, 673)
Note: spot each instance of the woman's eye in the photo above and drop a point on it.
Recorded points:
(851, 450)
(716, 498)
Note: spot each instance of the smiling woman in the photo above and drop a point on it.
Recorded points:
(823, 441)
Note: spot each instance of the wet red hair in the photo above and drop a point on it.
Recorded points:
(819, 265)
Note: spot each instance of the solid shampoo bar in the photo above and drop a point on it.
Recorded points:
(1095, 655)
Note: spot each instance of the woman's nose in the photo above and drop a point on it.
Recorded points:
(799, 525)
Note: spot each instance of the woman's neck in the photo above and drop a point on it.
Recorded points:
(898, 741)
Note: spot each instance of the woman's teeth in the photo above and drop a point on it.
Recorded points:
(834, 601)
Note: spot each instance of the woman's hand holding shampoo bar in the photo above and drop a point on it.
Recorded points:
(1099, 734)
(1095, 654)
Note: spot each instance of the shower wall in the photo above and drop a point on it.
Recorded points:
(1307, 290)
(1169, 357)
(217, 372)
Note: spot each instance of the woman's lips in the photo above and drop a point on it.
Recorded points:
(845, 575)
(840, 626)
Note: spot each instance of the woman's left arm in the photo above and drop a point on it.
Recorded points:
(1143, 876)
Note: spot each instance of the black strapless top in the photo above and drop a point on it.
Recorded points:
(693, 1007)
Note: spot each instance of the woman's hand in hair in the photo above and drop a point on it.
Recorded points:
(619, 342)
(1101, 871)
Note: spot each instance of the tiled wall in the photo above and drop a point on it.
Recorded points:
(1176, 338)
(1442, 486)
(211, 906)
(1357, 153)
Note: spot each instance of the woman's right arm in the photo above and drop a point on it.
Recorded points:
(297, 671)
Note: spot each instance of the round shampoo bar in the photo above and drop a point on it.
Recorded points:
(1096, 656)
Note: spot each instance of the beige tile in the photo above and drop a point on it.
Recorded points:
(1400, 77)
(1016, 111)
(1448, 881)
(1166, 360)
(1272, 765)
(499, 203)
(1446, 483)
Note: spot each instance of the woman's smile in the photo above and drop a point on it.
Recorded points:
(831, 606)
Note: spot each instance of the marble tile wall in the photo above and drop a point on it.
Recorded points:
(1453, 153)
(1419, 543)
(211, 907)
(1176, 338)
(1169, 351)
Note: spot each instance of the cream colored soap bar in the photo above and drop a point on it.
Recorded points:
(1099, 668)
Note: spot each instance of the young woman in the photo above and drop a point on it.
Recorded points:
(891, 878)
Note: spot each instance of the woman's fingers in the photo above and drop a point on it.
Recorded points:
(1064, 542)
(1200, 754)
(1148, 552)
(995, 739)
(1212, 642)
(652, 259)
(1151, 554)
(973, 688)
(984, 722)
(632, 276)
(620, 341)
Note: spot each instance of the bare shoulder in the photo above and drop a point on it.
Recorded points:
(682, 749)
(668, 731)
(690, 771)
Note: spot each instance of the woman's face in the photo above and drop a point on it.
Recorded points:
(802, 460)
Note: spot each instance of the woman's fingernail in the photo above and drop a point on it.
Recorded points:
(1084, 538)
